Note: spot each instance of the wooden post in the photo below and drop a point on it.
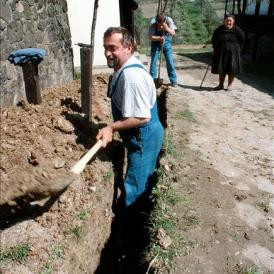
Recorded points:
(85, 81)
(233, 7)
(32, 86)
(225, 8)
(244, 6)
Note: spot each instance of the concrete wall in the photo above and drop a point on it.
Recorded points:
(34, 23)
(80, 17)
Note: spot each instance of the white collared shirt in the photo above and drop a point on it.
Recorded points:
(135, 94)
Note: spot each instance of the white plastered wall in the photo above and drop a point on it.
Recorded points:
(80, 15)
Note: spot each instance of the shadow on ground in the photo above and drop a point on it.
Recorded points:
(258, 75)
(123, 252)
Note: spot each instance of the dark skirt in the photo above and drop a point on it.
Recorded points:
(227, 61)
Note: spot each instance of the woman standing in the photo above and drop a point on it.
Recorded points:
(227, 41)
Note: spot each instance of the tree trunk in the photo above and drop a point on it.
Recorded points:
(92, 52)
(239, 6)
(93, 32)
(244, 6)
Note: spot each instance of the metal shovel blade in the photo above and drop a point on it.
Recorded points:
(158, 82)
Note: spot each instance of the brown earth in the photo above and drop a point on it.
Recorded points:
(222, 170)
(39, 143)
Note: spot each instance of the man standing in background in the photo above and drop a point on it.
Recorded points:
(161, 32)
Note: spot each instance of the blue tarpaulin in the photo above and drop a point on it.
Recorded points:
(22, 56)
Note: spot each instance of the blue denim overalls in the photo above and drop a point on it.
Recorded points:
(143, 145)
(167, 50)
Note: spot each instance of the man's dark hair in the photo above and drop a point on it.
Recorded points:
(160, 18)
(127, 38)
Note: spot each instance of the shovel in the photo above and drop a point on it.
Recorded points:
(38, 183)
(158, 81)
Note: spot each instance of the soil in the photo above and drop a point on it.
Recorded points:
(224, 174)
(223, 168)
(39, 144)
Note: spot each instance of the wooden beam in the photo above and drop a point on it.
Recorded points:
(225, 8)
(244, 6)
(239, 2)
(32, 86)
(85, 81)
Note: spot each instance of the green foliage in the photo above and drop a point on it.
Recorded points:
(195, 20)
(56, 252)
(77, 75)
(84, 215)
(18, 254)
(247, 270)
(77, 231)
(141, 27)
(108, 176)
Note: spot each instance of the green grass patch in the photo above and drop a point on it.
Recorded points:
(84, 215)
(77, 75)
(76, 231)
(108, 176)
(169, 146)
(56, 252)
(186, 114)
(17, 254)
(247, 270)
(145, 50)
(189, 221)
(163, 218)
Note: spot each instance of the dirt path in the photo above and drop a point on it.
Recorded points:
(225, 150)
(220, 166)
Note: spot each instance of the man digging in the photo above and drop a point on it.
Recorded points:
(134, 110)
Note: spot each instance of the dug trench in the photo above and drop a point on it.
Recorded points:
(80, 229)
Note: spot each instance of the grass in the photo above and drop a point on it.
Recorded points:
(145, 50)
(186, 114)
(169, 146)
(264, 206)
(84, 215)
(108, 176)
(76, 231)
(77, 75)
(17, 254)
(56, 252)
(166, 200)
(247, 270)
(163, 218)
(189, 221)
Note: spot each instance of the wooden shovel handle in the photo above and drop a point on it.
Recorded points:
(79, 166)
(160, 62)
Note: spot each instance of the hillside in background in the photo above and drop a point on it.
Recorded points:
(195, 20)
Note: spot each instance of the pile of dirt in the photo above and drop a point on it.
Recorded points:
(39, 144)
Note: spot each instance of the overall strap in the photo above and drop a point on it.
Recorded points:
(116, 82)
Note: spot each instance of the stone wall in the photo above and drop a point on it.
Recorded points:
(37, 24)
